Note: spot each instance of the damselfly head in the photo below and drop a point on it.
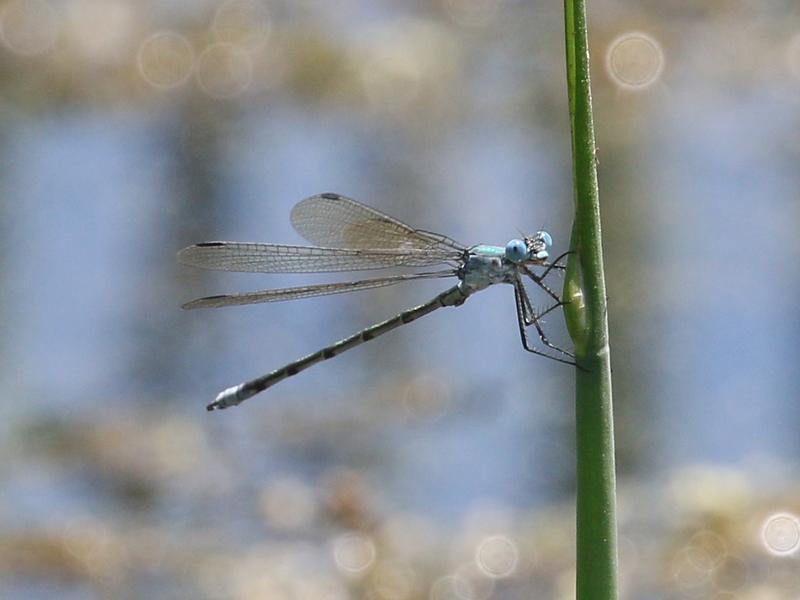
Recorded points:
(529, 249)
(538, 246)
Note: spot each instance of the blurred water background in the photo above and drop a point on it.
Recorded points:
(436, 462)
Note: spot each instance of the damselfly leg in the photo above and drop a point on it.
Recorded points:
(527, 317)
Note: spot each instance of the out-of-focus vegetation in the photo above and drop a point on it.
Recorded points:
(703, 533)
(437, 464)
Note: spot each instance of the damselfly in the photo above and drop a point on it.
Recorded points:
(350, 236)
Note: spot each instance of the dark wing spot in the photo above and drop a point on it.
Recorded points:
(330, 196)
(209, 244)
(215, 297)
(203, 301)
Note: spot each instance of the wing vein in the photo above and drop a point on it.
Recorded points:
(250, 257)
(307, 291)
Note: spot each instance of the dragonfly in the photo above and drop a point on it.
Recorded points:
(350, 236)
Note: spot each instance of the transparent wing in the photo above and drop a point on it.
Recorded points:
(336, 221)
(248, 257)
(306, 291)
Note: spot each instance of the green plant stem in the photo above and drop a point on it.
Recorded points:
(586, 317)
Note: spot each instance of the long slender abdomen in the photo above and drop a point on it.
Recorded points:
(232, 396)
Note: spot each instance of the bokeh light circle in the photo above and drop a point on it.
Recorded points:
(686, 572)
(634, 61)
(706, 550)
(28, 27)
(780, 534)
(165, 59)
(497, 556)
(224, 71)
(353, 553)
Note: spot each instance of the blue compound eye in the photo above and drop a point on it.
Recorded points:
(545, 237)
(517, 251)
